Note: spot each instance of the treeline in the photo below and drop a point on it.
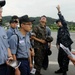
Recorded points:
(50, 22)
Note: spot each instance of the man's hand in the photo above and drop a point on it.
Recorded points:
(58, 8)
(57, 47)
(73, 53)
(72, 59)
(17, 71)
(42, 41)
(9, 59)
(32, 52)
(31, 66)
(39, 40)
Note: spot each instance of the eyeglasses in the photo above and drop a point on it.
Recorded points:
(29, 24)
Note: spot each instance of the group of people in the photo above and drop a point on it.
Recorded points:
(27, 44)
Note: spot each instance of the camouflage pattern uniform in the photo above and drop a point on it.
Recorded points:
(39, 48)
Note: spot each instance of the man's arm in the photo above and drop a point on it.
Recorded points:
(30, 61)
(48, 30)
(9, 33)
(73, 53)
(9, 53)
(10, 57)
(39, 40)
(72, 59)
(58, 39)
(61, 17)
(13, 47)
(35, 30)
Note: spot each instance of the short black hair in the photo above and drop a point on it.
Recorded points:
(12, 21)
(58, 20)
(15, 17)
(43, 16)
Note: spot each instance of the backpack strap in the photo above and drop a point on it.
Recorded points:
(17, 39)
(17, 43)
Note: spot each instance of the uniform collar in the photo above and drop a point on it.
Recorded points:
(21, 35)
(12, 28)
(42, 26)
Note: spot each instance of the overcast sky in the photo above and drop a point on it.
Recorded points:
(36, 8)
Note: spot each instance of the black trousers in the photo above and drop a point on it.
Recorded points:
(63, 60)
(45, 62)
(11, 71)
(4, 69)
(24, 67)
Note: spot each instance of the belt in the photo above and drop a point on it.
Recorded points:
(3, 65)
(22, 58)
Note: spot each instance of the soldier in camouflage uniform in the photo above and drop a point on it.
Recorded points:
(39, 44)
